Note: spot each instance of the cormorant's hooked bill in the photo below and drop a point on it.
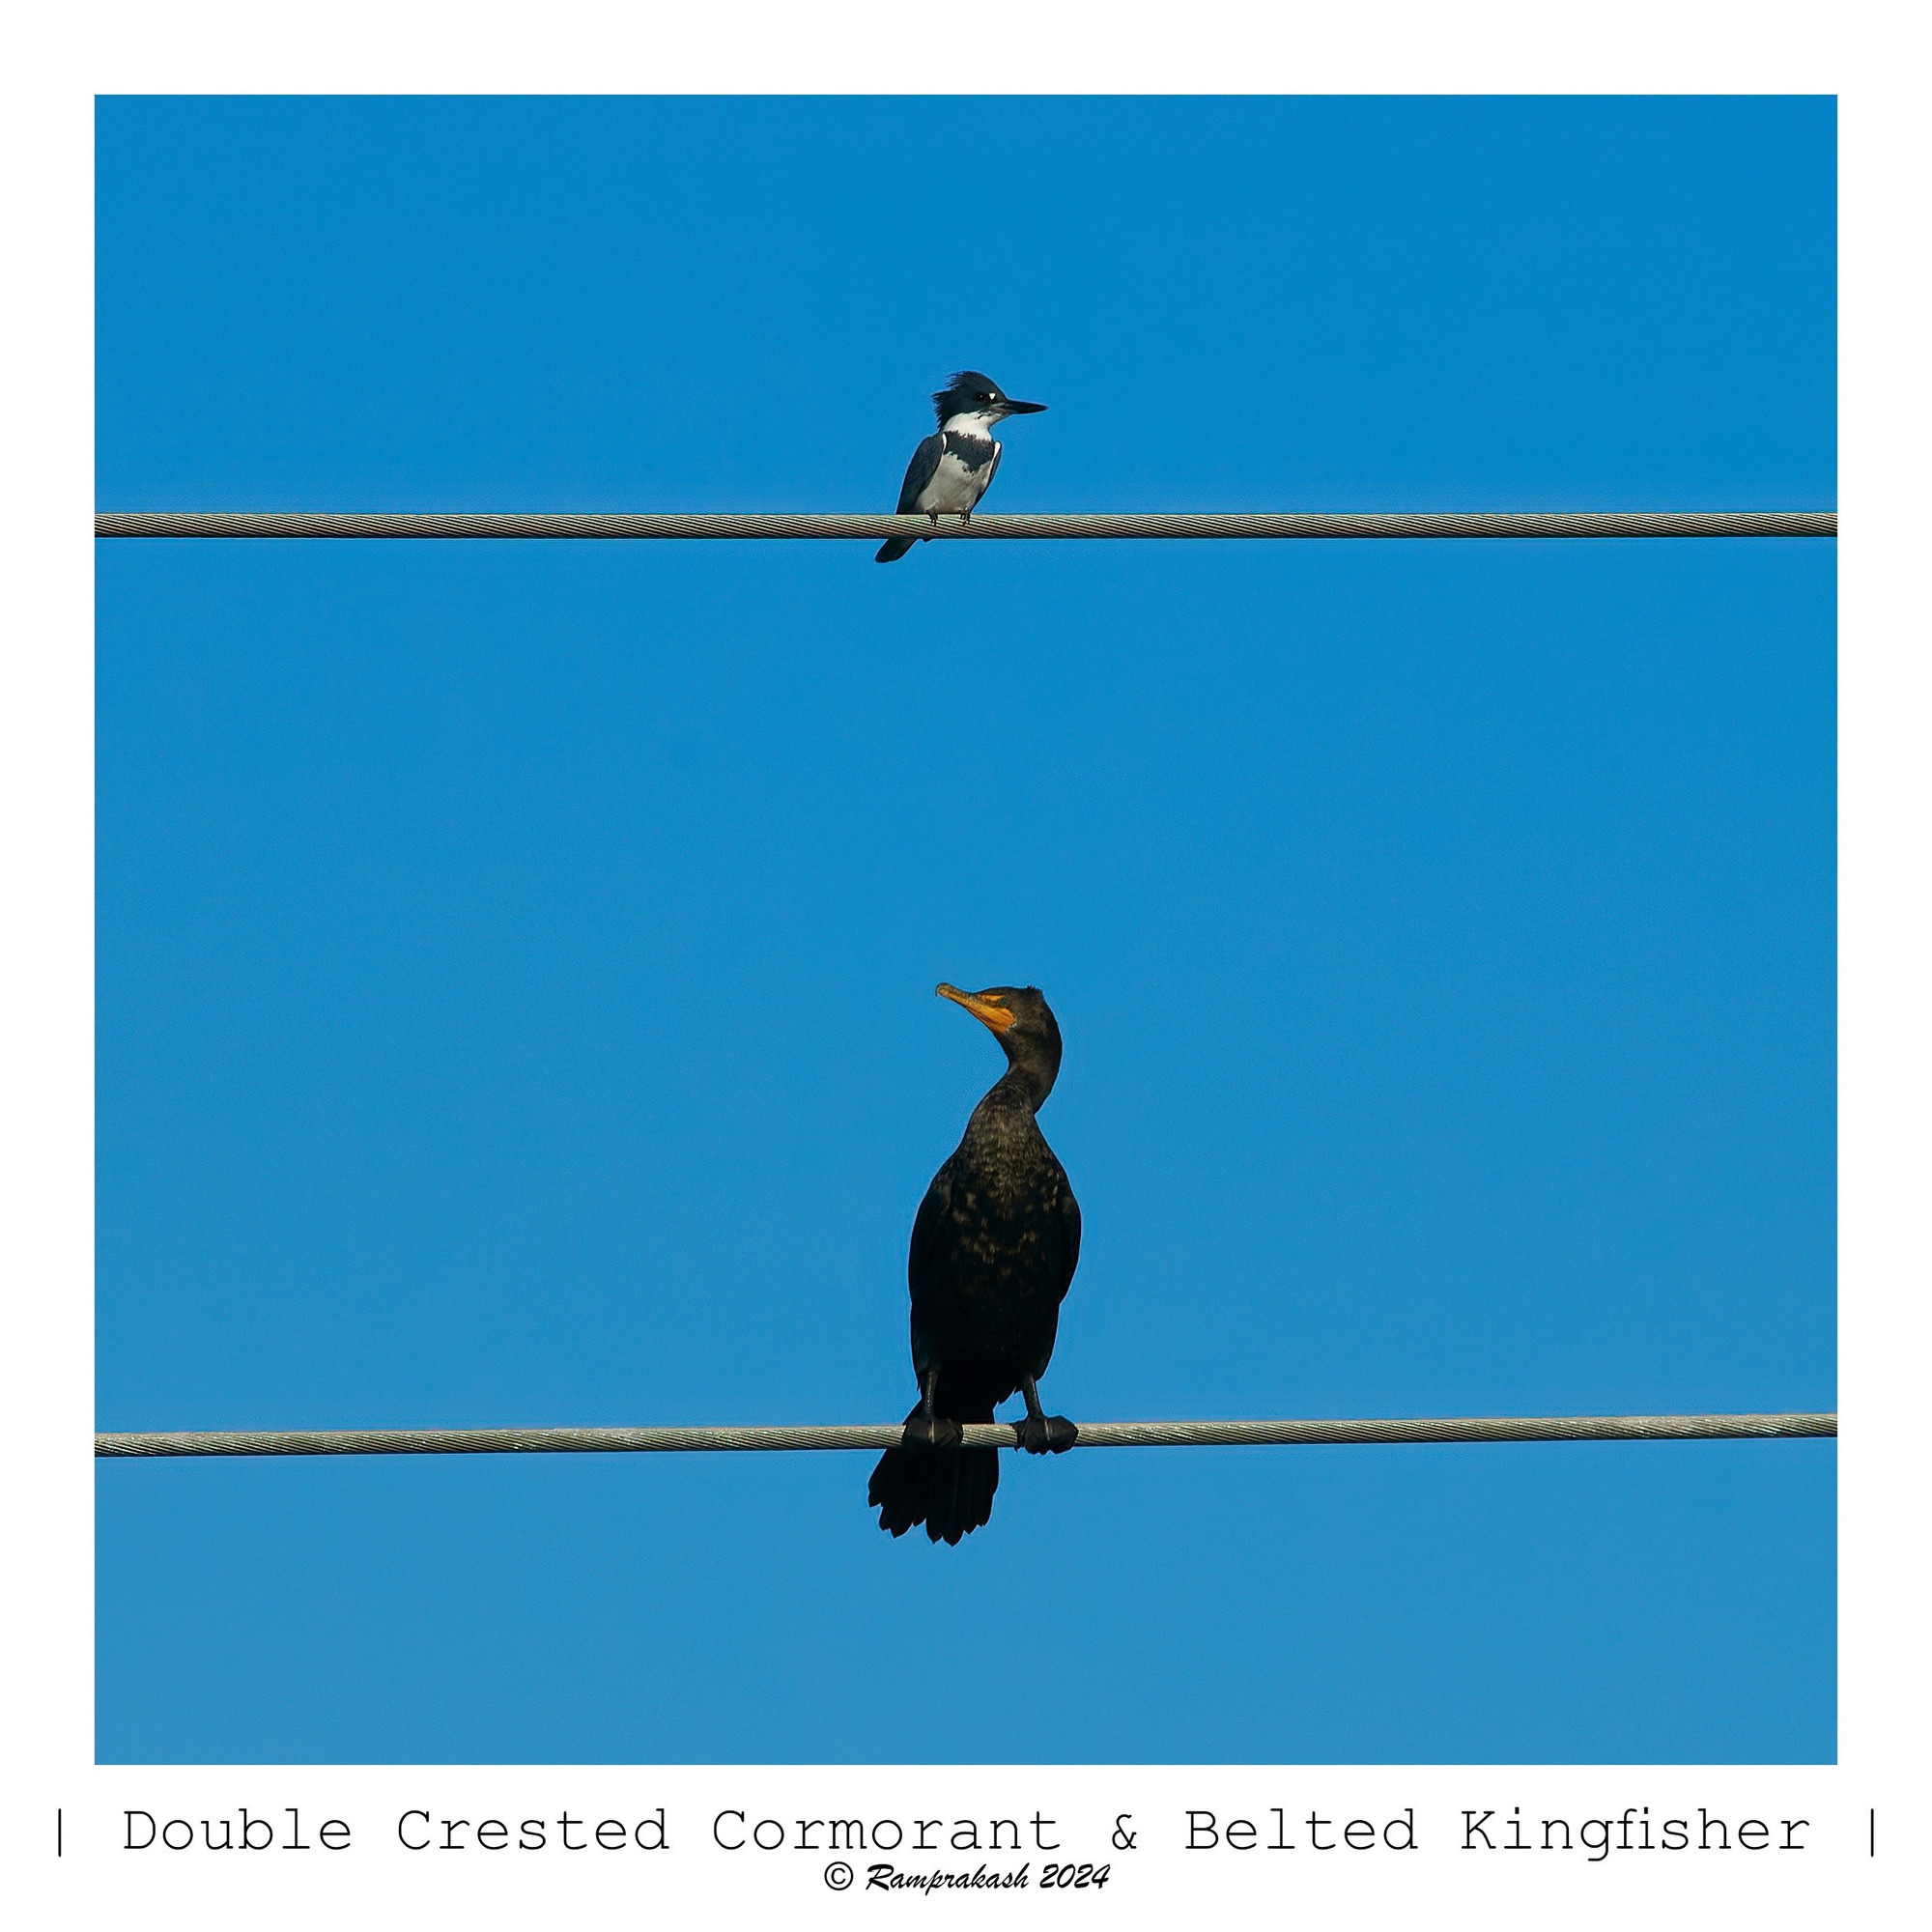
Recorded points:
(989, 1006)
(950, 471)
(994, 1246)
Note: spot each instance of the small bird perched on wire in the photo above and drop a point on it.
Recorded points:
(950, 470)
(994, 1246)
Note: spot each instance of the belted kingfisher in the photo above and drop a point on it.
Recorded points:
(949, 470)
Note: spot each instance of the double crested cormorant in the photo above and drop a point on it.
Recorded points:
(994, 1246)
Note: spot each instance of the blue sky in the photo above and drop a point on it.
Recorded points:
(515, 960)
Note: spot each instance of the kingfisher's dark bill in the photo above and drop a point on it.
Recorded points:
(994, 1246)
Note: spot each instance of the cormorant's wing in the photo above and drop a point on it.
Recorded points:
(919, 473)
(1069, 1234)
(925, 1260)
(926, 1243)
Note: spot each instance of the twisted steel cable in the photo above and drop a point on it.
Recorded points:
(978, 1434)
(1211, 523)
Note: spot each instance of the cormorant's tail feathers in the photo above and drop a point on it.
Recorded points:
(951, 1491)
(892, 548)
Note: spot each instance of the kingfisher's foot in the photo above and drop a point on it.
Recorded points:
(1046, 1434)
(938, 1431)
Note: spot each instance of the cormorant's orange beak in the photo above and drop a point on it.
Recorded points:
(999, 1019)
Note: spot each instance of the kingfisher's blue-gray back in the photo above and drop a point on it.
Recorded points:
(950, 470)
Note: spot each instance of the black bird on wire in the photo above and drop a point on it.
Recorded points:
(952, 470)
(994, 1246)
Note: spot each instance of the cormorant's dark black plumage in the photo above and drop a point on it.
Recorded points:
(994, 1246)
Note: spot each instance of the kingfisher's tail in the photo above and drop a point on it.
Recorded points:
(951, 1491)
(889, 551)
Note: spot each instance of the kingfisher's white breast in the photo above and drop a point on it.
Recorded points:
(956, 485)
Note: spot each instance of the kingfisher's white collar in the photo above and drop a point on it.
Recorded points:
(972, 422)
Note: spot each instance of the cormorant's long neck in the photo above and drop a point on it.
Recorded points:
(1026, 1083)
(1003, 1141)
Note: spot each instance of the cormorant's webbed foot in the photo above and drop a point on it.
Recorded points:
(932, 1432)
(1043, 1434)
(1046, 1434)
